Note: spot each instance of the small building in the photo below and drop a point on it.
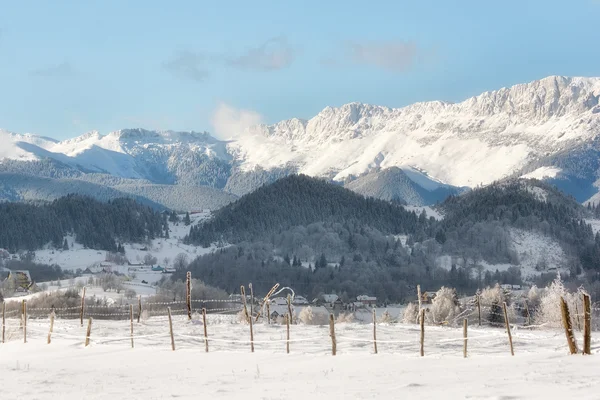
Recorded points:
(279, 301)
(367, 300)
(22, 280)
(330, 298)
(158, 268)
(300, 301)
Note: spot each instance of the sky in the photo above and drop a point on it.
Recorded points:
(69, 67)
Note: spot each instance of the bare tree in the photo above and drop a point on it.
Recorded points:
(181, 261)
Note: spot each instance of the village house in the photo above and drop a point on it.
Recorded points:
(367, 300)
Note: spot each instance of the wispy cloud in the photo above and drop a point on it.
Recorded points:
(188, 65)
(276, 53)
(229, 122)
(62, 70)
(395, 56)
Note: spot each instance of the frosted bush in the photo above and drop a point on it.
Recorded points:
(144, 316)
(385, 318)
(445, 306)
(308, 317)
(549, 310)
(491, 304)
(241, 317)
(410, 314)
(533, 297)
(345, 317)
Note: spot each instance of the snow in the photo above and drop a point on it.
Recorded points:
(109, 368)
(543, 172)
(78, 257)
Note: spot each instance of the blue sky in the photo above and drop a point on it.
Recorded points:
(67, 67)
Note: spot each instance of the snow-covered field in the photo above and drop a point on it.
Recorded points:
(110, 368)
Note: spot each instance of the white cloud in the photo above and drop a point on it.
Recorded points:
(188, 65)
(276, 53)
(394, 56)
(229, 122)
(62, 70)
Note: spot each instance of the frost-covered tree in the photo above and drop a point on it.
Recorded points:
(445, 306)
(410, 313)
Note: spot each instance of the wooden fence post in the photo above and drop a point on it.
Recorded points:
(251, 300)
(422, 332)
(3, 320)
(24, 321)
(139, 308)
(587, 324)
(577, 316)
(205, 331)
(171, 329)
(131, 322)
(332, 334)
(420, 300)
(51, 327)
(479, 309)
(273, 289)
(88, 333)
(268, 312)
(287, 343)
(374, 330)
(188, 294)
(82, 305)
(512, 351)
(566, 319)
(251, 335)
(465, 324)
(289, 304)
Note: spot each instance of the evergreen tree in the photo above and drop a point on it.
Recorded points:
(186, 220)
(65, 245)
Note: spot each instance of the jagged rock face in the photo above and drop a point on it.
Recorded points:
(529, 128)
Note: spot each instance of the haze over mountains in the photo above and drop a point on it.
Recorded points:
(547, 129)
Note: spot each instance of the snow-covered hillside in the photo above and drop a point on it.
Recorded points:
(164, 250)
(543, 129)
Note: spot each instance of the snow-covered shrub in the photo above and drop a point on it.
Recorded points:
(549, 311)
(144, 316)
(309, 317)
(241, 317)
(385, 318)
(345, 317)
(491, 304)
(445, 306)
(410, 314)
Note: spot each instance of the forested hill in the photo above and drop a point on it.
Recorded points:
(95, 224)
(319, 238)
(301, 200)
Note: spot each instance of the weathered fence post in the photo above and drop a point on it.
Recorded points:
(512, 351)
(171, 329)
(251, 335)
(419, 299)
(88, 333)
(566, 319)
(465, 324)
(251, 300)
(3, 320)
(287, 342)
(139, 308)
(374, 330)
(188, 294)
(332, 334)
(82, 305)
(273, 289)
(479, 309)
(131, 322)
(24, 321)
(205, 331)
(268, 312)
(289, 305)
(422, 317)
(51, 327)
(577, 316)
(587, 324)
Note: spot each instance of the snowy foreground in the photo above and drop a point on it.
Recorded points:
(110, 369)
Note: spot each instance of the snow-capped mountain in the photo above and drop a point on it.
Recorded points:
(545, 129)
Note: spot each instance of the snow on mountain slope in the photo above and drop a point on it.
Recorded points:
(546, 128)
(480, 140)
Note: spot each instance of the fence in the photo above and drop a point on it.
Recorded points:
(219, 328)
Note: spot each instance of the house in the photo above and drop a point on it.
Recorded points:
(138, 264)
(330, 298)
(169, 270)
(367, 300)
(22, 280)
(106, 267)
(158, 268)
(338, 305)
(300, 301)
(279, 301)
(427, 298)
